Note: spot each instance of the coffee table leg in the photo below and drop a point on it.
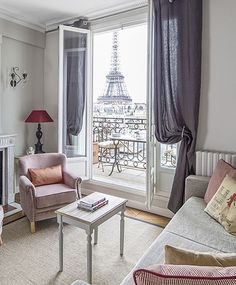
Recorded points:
(122, 231)
(60, 243)
(89, 257)
(96, 236)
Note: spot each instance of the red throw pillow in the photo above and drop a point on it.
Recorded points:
(45, 176)
(185, 275)
(222, 168)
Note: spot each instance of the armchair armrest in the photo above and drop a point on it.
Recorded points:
(27, 197)
(73, 181)
(26, 184)
(196, 186)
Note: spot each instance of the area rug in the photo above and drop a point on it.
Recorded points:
(27, 258)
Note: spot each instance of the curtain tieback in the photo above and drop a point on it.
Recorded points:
(182, 134)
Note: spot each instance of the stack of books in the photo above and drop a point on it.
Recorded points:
(92, 202)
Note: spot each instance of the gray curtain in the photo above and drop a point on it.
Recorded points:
(75, 56)
(177, 81)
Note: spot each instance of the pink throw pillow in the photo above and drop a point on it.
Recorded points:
(222, 168)
(46, 176)
(185, 275)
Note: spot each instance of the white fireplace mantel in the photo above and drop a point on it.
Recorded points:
(7, 144)
(7, 140)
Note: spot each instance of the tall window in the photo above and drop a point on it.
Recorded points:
(119, 106)
(74, 93)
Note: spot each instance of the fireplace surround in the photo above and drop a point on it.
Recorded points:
(7, 143)
(1, 176)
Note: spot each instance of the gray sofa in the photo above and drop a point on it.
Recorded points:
(190, 228)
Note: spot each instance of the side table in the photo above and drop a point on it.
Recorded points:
(89, 221)
(1, 219)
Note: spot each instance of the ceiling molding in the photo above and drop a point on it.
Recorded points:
(91, 14)
(14, 19)
(117, 9)
(53, 25)
(97, 14)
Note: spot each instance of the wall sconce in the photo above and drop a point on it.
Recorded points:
(16, 78)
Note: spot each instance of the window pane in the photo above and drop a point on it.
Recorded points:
(168, 155)
(74, 129)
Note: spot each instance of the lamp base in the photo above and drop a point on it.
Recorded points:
(39, 148)
(39, 145)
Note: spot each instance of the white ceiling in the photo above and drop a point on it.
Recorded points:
(42, 13)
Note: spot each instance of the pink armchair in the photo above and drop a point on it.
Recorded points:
(40, 203)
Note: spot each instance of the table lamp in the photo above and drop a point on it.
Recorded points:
(39, 116)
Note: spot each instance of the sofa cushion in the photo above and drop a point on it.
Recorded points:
(155, 253)
(222, 206)
(180, 256)
(54, 194)
(185, 275)
(192, 223)
(45, 176)
(222, 168)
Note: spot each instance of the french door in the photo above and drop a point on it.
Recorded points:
(152, 150)
(75, 137)
(74, 98)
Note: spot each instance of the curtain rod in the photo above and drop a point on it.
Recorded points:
(104, 17)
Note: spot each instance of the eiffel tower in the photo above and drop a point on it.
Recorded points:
(115, 91)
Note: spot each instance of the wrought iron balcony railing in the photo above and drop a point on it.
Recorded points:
(104, 127)
(131, 153)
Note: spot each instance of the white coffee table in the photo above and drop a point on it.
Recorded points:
(89, 221)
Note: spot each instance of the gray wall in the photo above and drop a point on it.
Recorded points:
(218, 99)
(24, 48)
(51, 89)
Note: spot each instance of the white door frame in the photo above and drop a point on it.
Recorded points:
(87, 158)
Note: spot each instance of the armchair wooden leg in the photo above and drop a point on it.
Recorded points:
(32, 227)
(1, 242)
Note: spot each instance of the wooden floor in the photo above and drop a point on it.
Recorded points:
(130, 212)
(147, 217)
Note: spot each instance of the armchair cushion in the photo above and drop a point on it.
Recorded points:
(54, 194)
(46, 176)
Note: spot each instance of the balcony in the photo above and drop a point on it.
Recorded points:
(119, 151)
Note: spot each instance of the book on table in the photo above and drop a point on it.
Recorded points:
(93, 201)
(94, 208)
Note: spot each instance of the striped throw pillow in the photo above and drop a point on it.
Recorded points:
(185, 275)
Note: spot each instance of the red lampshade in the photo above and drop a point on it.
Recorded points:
(39, 116)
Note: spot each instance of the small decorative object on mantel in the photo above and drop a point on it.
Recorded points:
(16, 78)
(39, 116)
(30, 150)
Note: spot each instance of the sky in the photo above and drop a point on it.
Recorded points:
(133, 61)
